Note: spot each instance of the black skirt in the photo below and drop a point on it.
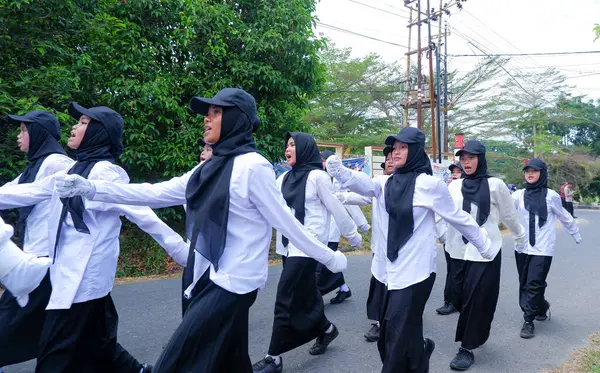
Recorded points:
(299, 310)
(476, 297)
(401, 345)
(213, 335)
(84, 339)
(377, 291)
(20, 328)
(328, 281)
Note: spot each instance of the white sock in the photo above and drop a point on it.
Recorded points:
(276, 358)
(344, 288)
(330, 329)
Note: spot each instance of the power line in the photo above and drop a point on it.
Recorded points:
(524, 54)
(335, 28)
(379, 9)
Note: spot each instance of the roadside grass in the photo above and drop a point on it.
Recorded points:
(582, 360)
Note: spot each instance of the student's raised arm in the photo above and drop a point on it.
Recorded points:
(22, 195)
(356, 181)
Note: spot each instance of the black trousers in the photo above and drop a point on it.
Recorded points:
(564, 202)
(476, 297)
(375, 300)
(328, 281)
(449, 278)
(213, 335)
(533, 271)
(20, 328)
(83, 339)
(401, 343)
(569, 208)
(299, 309)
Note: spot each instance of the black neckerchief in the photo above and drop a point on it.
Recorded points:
(399, 193)
(207, 191)
(476, 189)
(293, 186)
(534, 198)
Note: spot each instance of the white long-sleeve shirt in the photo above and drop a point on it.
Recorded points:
(85, 265)
(36, 234)
(545, 237)
(417, 258)
(320, 203)
(355, 213)
(255, 207)
(502, 209)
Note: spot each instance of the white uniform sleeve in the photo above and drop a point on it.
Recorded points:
(362, 184)
(12, 182)
(269, 201)
(508, 213)
(563, 215)
(22, 195)
(440, 226)
(353, 199)
(159, 195)
(334, 206)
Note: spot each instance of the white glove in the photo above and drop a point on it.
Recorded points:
(68, 186)
(520, 245)
(338, 262)
(365, 228)
(355, 241)
(577, 238)
(336, 170)
(486, 252)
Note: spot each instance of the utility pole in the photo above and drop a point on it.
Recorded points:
(419, 78)
(446, 87)
(432, 97)
(408, 82)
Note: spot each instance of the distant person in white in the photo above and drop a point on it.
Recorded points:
(232, 206)
(20, 328)
(569, 199)
(452, 265)
(81, 323)
(477, 282)
(538, 208)
(407, 202)
(207, 150)
(299, 310)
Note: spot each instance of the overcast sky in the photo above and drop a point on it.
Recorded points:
(500, 26)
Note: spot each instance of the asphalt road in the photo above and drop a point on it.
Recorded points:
(150, 311)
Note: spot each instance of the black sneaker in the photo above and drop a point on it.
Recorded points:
(446, 309)
(373, 334)
(323, 341)
(146, 368)
(341, 296)
(528, 330)
(547, 315)
(268, 365)
(463, 360)
(429, 347)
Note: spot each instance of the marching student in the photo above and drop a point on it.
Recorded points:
(299, 310)
(477, 282)
(20, 272)
(326, 280)
(80, 327)
(538, 208)
(448, 308)
(569, 199)
(232, 204)
(407, 202)
(377, 285)
(20, 327)
(207, 150)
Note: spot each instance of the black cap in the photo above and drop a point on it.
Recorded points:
(110, 119)
(387, 150)
(536, 163)
(326, 154)
(408, 135)
(201, 142)
(40, 117)
(455, 165)
(472, 146)
(228, 97)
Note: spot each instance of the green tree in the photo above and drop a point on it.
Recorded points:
(597, 31)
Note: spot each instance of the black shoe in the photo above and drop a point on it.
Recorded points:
(146, 368)
(429, 347)
(323, 341)
(268, 365)
(528, 330)
(447, 309)
(373, 334)
(547, 315)
(463, 360)
(341, 296)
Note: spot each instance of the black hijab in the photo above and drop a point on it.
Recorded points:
(44, 134)
(535, 197)
(101, 142)
(400, 189)
(207, 192)
(293, 186)
(475, 187)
